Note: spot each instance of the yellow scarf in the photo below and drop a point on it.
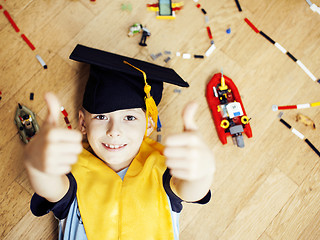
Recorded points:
(135, 208)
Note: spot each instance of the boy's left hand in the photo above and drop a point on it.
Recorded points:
(188, 156)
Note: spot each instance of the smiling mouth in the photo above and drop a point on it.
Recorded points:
(114, 147)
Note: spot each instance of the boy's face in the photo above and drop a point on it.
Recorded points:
(115, 137)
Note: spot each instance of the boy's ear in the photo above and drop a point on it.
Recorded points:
(82, 123)
(151, 126)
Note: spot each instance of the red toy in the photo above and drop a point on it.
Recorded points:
(227, 109)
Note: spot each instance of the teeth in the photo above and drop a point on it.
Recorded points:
(114, 146)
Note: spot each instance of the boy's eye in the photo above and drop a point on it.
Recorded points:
(130, 118)
(101, 117)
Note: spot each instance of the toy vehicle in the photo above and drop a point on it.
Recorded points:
(227, 110)
(26, 122)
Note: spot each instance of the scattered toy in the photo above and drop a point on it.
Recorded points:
(145, 33)
(165, 9)
(298, 134)
(229, 115)
(31, 96)
(313, 7)
(238, 6)
(26, 123)
(305, 120)
(134, 29)
(43, 64)
(298, 106)
(167, 59)
(283, 50)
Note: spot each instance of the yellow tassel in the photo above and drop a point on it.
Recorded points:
(151, 107)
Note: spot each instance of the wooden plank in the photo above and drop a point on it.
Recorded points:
(31, 227)
(265, 204)
(14, 205)
(299, 212)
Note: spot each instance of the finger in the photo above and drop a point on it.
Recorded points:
(180, 174)
(65, 148)
(177, 163)
(54, 106)
(183, 139)
(188, 116)
(176, 152)
(64, 135)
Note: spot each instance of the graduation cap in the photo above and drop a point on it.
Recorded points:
(117, 82)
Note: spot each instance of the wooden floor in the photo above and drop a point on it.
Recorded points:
(269, 190)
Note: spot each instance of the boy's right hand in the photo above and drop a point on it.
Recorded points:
(53, 150)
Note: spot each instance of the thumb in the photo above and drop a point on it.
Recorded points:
(188, 115)
(53, 105)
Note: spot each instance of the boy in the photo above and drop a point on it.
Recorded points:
(125, 186)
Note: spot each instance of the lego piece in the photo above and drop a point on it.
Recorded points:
(198, 56)
(167, 59)
(145, 33)
(176, 90)
(178, 54)
(291, 56)
(28, 42)
(305, 120)
(31, 96)
(209, 32)
(283, 50)
(64, 112)
(134, 29)
(300, 135)
(210, 50)
(226, 107)
(228, 31)
(203, 11)
(267, 37)
(167, 52)
(155, 56)
(312, 146)
(206, 19)
(306, 70)
(298, 106)
(43, 64)
(238, 5)
(159, 125)
(251, 25)
(14, 25)
(186, 56)
(26, 123)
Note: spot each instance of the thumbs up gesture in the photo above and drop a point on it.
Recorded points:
(189, 159)
(54, 149)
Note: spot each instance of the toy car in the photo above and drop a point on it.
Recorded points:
(26, 122)
(228, 113)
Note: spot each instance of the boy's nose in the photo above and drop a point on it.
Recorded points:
(113, 129)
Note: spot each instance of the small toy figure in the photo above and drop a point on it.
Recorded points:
(146, 33)
(134, 29)
(26, 122)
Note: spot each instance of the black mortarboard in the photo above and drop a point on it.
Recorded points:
(114, 85)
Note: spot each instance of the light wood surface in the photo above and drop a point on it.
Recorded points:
(269, 190)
